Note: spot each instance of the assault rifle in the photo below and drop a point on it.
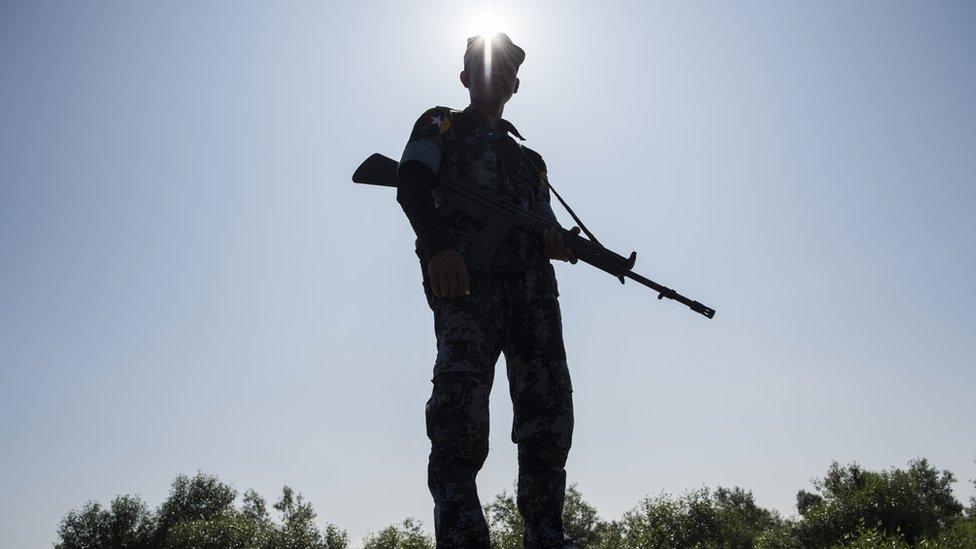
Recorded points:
(500, 216)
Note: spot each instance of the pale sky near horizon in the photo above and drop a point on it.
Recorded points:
(191, 282)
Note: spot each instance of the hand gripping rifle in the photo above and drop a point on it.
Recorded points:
(500, 216)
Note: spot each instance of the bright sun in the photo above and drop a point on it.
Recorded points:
(486, 24)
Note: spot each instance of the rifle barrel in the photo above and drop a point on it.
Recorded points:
(664, 291)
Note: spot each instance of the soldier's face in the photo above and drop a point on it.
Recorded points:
(495, 83)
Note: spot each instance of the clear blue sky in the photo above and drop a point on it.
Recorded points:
(190, 280)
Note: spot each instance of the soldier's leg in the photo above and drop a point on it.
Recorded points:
(542, 396)
(457, 425)
(468, 346)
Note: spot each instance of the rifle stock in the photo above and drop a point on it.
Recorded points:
(377, 170)
(381, 170)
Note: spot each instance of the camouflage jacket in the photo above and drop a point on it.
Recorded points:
(460, 144)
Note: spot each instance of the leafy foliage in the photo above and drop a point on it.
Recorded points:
(198, 514)
(504, 522)
(580, 519)
(506, 527)
(911, 504)
(230, 531)
(407, 535)
(699, 518)
(127, 524)
(850, 508)
(663, 521)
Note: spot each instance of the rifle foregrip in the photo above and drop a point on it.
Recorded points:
(598, 256)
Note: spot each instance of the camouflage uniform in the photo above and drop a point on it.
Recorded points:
(512, 309)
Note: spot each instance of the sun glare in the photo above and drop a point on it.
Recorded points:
(488, 38)
(486, 24)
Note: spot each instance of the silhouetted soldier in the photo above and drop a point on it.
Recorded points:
(511, 308)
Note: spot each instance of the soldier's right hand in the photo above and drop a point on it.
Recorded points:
(448, 274)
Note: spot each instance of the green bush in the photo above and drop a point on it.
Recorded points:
(407, 535)
(850, 508)
(912, 505)
(580, 521)
(127, 524)
(726, 518)
(198, 514)
(233, 531)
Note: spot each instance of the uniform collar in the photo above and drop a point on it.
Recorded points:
(504, 125)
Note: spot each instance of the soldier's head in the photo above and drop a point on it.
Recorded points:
(491, 64)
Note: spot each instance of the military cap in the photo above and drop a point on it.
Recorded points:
(502, 47)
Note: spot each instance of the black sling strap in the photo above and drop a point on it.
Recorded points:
(561, 201)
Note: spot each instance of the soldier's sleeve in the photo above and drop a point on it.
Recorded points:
(416, 174)
(543, 205)
(426, 143)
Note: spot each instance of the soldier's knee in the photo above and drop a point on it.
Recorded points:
(457, 413)
(454, 466)
(542, 455)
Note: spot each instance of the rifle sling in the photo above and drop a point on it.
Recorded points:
(558, 197)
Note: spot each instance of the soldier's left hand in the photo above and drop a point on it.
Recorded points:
(555, 248)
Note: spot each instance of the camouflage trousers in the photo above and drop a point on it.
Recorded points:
(516, 314)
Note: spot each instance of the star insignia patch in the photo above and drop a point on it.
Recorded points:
(442, 123)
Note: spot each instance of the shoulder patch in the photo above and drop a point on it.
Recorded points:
(439, 117)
